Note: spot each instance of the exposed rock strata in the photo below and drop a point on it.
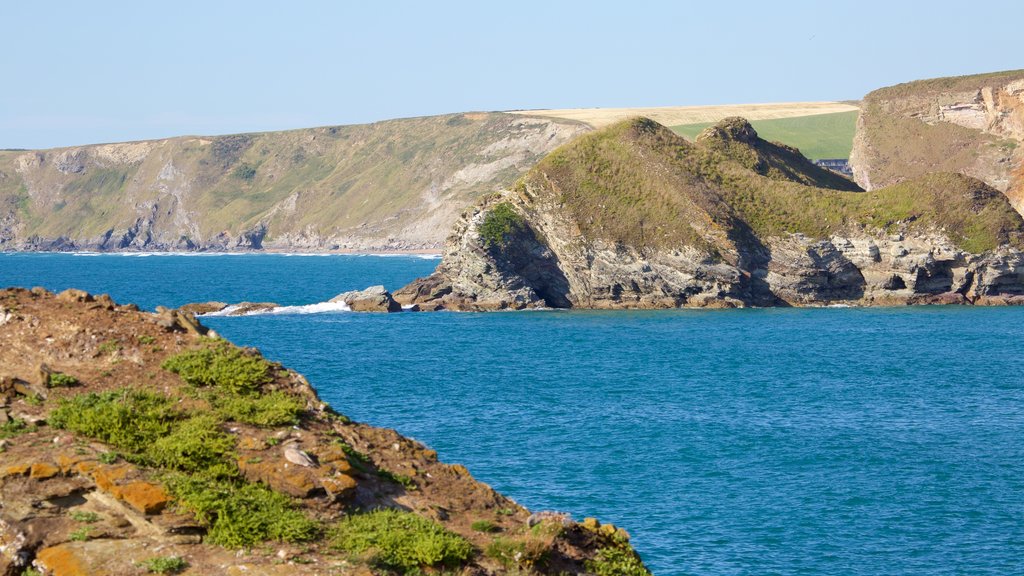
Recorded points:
(972, 124)
(731, 250)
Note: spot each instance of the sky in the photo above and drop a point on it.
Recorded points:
(85, 72)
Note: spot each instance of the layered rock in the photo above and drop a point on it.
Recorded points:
(635, 217)
(972, 125)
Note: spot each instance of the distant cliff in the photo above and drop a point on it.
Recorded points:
(633, 216)
(398, 184)
(969, 124)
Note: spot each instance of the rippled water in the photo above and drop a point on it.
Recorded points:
(825, 441)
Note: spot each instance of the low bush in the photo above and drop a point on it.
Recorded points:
(484, 526)
(61, 380)
(195, 445)
(273, 408)
(617, 561)
(165, 565)
(400, 541)
(240, 515)
(514, 553)
(129, 419)
(221, 365)
(498, 224)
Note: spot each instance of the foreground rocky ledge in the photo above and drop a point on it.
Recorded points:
(224, 421)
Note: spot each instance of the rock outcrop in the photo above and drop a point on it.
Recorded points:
(372, 299)
(973, 125)
(131, 440)
(394, 185)
(633, 216)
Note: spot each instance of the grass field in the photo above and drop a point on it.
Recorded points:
(677, 115)
(818, 136)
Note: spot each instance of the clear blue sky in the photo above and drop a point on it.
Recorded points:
(80, 72)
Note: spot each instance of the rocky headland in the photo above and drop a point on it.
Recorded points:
(633, 216)
(396, 185)
(135, 442)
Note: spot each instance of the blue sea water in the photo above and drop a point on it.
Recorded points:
(801, 441)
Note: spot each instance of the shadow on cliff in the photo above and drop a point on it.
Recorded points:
(527, 256)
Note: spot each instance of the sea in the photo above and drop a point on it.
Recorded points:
(761, 441)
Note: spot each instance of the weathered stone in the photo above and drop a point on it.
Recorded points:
(280, 475)
(43, 471)
(145, 497)
(372, 299)
(74, 295)
(339, 486)
(200, 308)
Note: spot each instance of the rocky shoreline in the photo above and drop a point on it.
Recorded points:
(130, 439)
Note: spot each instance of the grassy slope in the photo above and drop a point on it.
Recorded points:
(373, 179)
(640, 184)
(894, 144)
(818, 136)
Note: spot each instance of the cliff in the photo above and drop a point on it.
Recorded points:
(398, 184)
(973, 125)
(633, 216)
(133, 442)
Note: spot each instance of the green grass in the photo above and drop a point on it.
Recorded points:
(817, 136)
(85, 517)
(638, 184)
(484, 526)
(399, 541)
(61, 380)
(15, 427)
(617, 561)
(274, 408)
(165, 565)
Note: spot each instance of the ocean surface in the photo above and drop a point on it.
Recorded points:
(809, 441)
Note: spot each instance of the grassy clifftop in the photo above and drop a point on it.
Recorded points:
(973, 125)
(639, 184)
(394, 184)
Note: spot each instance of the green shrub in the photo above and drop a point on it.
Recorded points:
(195, 445)
(498, 224)
(146, 339)
(128, 419)
(15, 427)
(400, 541)
(274, 408)
(240, 515)
(402, 479)
(515, 553)
(109, 347)
(80, 535)
(245, 172)
(61, 380)
(222, 365)
(165, 565)
(617, 561)
(484, 526)
(86, 517)
(108, 457)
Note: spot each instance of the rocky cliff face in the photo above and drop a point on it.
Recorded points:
(635, 217)
(972, 124)
(391, 185)
(134, 442)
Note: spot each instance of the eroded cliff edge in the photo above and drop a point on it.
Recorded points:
(392, 185)
(633, 216)
(968, 124)
(134, 442)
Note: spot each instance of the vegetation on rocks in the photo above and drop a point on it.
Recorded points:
(222, 365)
(499, 223)
(400, 541)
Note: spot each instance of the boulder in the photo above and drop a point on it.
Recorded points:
(199, 308)
(372, 299)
